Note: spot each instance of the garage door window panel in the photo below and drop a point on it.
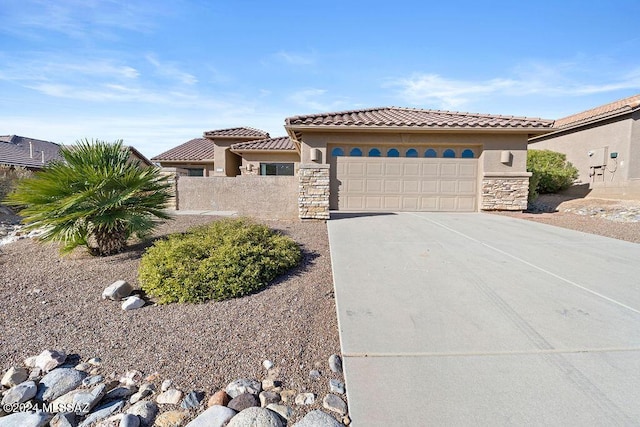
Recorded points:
(449, 153)
(355, 152)
(393, 152)
(431, 153)
(468, 154)
(412, 152)
(336, 152)
(374, 152)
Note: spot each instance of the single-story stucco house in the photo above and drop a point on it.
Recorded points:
(604, 144)
(376, 159)
(408, 159)
(210, 155)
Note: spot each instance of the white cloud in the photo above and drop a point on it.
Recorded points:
(296, 58)
(171, 71)
(316, 100)
(533, 79)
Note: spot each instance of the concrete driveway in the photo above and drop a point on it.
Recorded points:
(479, 319)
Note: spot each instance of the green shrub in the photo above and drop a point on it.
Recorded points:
(551, 170)
(96, 198)
(9, 177)
(226, 259)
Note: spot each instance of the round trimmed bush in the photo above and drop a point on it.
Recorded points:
(226, 259)
(551, 172)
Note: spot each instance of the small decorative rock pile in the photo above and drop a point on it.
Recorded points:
(618, 214)
(61, 391)
(121, 290)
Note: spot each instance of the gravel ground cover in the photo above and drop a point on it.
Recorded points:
(53, 302)
(595, 216)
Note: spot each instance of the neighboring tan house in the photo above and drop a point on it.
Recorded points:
(210, 155)
(604, 144)
(407, 159)
(29, 153)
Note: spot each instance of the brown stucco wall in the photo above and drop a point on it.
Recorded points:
(615, 135)
(268, 197)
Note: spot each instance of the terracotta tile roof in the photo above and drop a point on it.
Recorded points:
(196, 149)
(242, 132)
(16, 150)
(416, 118)
(601, 112)
(281, 143)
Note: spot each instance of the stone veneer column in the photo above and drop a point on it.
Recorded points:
(502, 192)
(313, 197)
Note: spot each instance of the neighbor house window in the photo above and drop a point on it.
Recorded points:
(337, 152)
(393, 153)
(356, 152)
(374, 152)
(430, 153)
(468, 154)
(449, 153)
(412, 152)
(195, 172)
(276, 169)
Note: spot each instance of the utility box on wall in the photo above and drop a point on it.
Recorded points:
(598, 157)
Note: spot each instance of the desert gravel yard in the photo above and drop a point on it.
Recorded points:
(54, 302)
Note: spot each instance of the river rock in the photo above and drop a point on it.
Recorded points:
(58, 382)
(102, 412)
(117, 291)
(305, 399)
(81, 400)
(284, 411)
(14, 376)
(131, 378)
(146, 389)
(243, 401)
(129, 420)
(121, 392)
(335, 363)
(220, 398)
(336, 386)
(92, 380)
(317, 418)
(255, 416)
(20, 393)
(49, 359)
(170, 419)
(243, 385)
(267, 364)
(146, 410)
(132, 303)
(26, 419)
(334, 403)
(171, 397)
(215, 416)
(267, 397)
(192, 400)
(64, 419)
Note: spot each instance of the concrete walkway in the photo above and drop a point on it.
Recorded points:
(478, 319)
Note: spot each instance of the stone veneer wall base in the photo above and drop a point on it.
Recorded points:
(505, 193)
(313, 197)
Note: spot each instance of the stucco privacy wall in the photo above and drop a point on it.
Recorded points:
(268, 197)
(502, 183)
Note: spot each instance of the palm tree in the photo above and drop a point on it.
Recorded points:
(96, 197)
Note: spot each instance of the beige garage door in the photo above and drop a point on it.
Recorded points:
(406, 184)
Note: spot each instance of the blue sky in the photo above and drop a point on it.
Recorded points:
(158, 73)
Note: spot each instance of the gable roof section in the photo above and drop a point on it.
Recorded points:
(414, 118)
(17, 151)
(282, 143)
(241, 132)
(612, 109)
(197, 149)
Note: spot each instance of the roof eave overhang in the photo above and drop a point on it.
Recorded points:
(259, 150)
(578, 125)
(182, 161)
(295, 131)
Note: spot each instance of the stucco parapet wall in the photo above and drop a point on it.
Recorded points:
(502, 192)
(313, 197)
